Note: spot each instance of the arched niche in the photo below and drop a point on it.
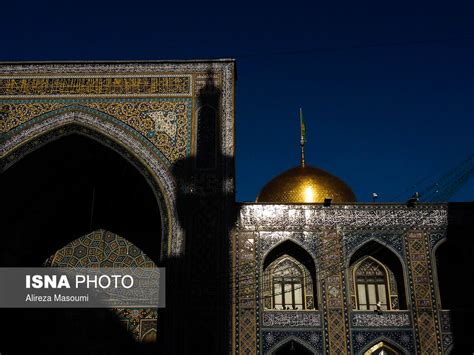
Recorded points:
(292, 269)
(69, 187)
(105, 249)
(389, 263)
(41, 131)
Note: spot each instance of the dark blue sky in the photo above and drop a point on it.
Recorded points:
(387, 89)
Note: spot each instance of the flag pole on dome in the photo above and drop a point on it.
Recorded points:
(303, 136)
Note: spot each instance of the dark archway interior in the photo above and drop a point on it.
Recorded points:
(60, 192)
(448, 265)
(297, 252)
(69, 188)
(293, 348)
(387, 257)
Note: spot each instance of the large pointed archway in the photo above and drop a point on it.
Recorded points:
(29, 137)
(68, 188)
(61, 190)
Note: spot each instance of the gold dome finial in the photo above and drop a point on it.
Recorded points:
(305, 184)
(302, 136)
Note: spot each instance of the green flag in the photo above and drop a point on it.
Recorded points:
(303, 128)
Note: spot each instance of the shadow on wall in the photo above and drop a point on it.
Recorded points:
(455, 268)
(198, 284)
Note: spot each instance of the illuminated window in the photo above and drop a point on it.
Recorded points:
(289, 279)
(371, 285)
(288, 285)
(376, 273)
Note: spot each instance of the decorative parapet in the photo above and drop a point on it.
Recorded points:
(392, 319)
(291, 319)
(361, 216)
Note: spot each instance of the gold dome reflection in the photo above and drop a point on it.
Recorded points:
(305, 185)
(309, 195)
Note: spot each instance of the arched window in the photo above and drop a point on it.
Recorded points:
(371, 285)
(288, 278)
(288, 284)
(376, 277)
(382, 348)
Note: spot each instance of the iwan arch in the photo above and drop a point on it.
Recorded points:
(116, 164)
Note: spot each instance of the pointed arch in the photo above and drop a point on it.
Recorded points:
(372, 284)
(110, 132)
(289, 278)
(293, 344)
(392, 267)
(382, 346)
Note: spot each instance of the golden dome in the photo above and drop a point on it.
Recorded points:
(305, 185)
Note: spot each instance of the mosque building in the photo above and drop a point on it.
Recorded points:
(118, 164)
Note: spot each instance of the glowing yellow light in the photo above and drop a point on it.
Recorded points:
(309, 194)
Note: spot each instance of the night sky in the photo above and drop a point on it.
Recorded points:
(387, 89)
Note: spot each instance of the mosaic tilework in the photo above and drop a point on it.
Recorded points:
(246, 312)
(92, 86)
(362, 340)
(140, 322)
(446, 330)
(105, 249)
(165, 123)
(273, 339)
(300, 218)
(309, 227)
(392, 240)
(100, 249)
(268, 240)
(425, 316)
(148, 108)
(333, 294)
(435, 238)
(170, 79)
